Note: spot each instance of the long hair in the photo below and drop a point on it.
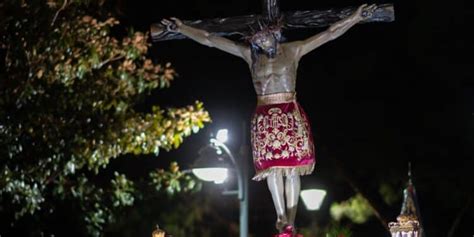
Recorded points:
(255, 50)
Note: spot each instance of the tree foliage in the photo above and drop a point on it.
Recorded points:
(70, 78)
(356, 208)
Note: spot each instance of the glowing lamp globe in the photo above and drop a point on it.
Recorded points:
(216, 175)
(222, 135)
(313, 198)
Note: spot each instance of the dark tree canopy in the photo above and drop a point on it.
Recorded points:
(70, 78)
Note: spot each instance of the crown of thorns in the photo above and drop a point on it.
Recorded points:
(263, 30)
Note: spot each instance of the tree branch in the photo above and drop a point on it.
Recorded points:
(459, 217)
(357, 188)
(57, 12)
(110, 60)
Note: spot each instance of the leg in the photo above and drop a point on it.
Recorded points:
(275, 184)
(292, 191)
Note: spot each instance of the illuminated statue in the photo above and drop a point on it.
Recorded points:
(282, 144)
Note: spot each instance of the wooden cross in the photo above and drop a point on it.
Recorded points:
(271, 11)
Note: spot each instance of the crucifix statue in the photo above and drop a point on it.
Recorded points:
(282, 143)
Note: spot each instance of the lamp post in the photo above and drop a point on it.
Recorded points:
(218, 175)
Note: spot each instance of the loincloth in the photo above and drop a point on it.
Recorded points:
(281, 137)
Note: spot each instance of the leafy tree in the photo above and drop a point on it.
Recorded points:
(70, 80)
(355, 208)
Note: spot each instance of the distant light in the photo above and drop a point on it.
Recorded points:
(216, 175)
(313, 198)
(222, 135)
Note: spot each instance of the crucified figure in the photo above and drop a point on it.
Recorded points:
(282, 143)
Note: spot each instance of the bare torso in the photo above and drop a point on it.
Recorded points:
(277, 74)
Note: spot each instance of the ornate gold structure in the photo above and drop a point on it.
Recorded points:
(158, 232)
(407, 226)
(409, 221)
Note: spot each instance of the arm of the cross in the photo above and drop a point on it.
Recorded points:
(293, 20)
(218, 26)
(335, 30)
(317, 18)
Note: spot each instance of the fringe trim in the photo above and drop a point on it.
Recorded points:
(285, 171)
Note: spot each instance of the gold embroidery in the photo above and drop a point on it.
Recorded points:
(279, 135)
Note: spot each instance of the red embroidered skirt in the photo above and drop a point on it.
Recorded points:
(281, 137)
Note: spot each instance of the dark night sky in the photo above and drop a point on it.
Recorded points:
(381, 95)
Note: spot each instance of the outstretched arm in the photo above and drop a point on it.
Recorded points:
(336, 30)
(208, 39)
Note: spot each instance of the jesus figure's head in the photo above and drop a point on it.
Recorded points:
(266, 40)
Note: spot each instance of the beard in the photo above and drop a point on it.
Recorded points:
(271, 53)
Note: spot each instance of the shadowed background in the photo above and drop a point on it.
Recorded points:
(378, 97)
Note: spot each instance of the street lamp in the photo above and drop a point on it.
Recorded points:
(222, 135)
(218, 174)
(313, 198)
